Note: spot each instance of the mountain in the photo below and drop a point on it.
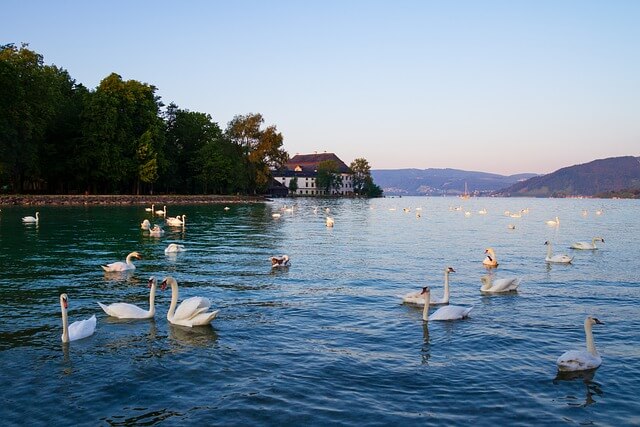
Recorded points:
(599, 176)
(436, 182)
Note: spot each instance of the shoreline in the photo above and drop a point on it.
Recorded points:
(79, 200)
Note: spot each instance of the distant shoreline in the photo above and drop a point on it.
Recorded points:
(97, 200)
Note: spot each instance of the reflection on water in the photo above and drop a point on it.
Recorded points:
(586, 377)
(197, 336)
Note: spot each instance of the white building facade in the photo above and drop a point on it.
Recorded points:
(303, 168)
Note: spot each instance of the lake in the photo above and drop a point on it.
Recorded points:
(326, 341)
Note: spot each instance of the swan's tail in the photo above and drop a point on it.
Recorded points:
(105, 268)
(104, 307)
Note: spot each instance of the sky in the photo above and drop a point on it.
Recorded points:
(504, 87)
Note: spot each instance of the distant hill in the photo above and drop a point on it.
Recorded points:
(436, 182)
(613, 174)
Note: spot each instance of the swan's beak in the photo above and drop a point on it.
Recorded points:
(151, 280)
(163, 285)
(598, 322)
(65, 303)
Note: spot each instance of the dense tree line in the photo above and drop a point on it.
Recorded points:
(58, 137)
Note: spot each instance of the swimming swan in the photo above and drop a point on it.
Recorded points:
(447, 312)
(556, 259)
(176, 221)
(78, 329)
(499, 285)
(156, 231)
(490, 260)
(173, 248)
(554, 221)
(150, 209)
(280, 261)
(576, 360)
(145, 225)
(329, 222)
(122, 266)
(162, 212)
(418, 296)
(123, 310)
(191, 312)
(31, 219)
(586, 245)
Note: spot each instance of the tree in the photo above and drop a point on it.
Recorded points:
(328, 177)
(361, 170)
(262, 149)
(293, 184)
(147, 161)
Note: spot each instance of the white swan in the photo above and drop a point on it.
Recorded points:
(276, 215)
(280, 261)
(145, 225)
(499, 285)
(122, 266)
(123, 310)
(417, 297)
(447, 312)
(329, 221)
(191, 312)
(150, 209)
(490, 260)
(586, 245)
(31, 219)
(173, 248)
(556, 259)
(554, 221)
(156, 231)
(482, 211)
(78, 329)
(176, 221)
(162, 212)
(575, 360)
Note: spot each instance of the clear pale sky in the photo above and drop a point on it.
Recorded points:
(494, 86)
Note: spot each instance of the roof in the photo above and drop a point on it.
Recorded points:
(309, 162)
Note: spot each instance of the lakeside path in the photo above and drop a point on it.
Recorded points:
(174, 199)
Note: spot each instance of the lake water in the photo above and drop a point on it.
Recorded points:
(326, 341)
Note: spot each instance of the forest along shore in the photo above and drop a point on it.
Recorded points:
(54, 200)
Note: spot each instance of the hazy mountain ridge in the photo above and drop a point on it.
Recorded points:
(435, 182)
(612, 174)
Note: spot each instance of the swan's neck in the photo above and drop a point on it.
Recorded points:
(425, 309)
(152, 299)
(128, 260)
(174, 300)
(65, 325)
(445, 296)
(486, 284)
(37, 217)
(548, 250)
(591, 347)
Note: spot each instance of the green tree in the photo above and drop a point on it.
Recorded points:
(361, 170)
(293, 185)
(147, 160)
(262, 149)
(328, 177)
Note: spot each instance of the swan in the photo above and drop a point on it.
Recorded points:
(280, 261)
(417, 297)
(191, 312)
(162, 212)
(156, 231)
(499, 285)
(556, 259)
(78, 329)
(145, 225)
(586, 245)
(554, 221)
(173, 248)
(176, 221)
(511, 227)
(276, 215)
(490, 260)
(31, 219)
(575, 360)
(150, 209)
(122, 266)
(329, 221)
(447, 312)
(123, 310)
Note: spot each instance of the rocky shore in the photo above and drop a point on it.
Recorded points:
(69, 200)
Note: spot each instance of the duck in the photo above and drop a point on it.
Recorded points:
(499, 285)
(417, 297)
(162, 212)
(576, 360)
(447, 312)
(145, 225)
(329, 221)
(31, 219)
(173, 248)
(554, 221)
(123, 310)
(77, 330)
(156, 231)
(556, 259)
(490, 260)
(280, 261)
(150, 209)
(587, 245)
(176, 221)
(191, 312)
(122, 266)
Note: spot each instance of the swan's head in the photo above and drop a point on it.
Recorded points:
(167, 281)
(425, 291)
(490, 251)
(449, 270)
(64, 301)
(285, 258)
(152, 281)
(601, 239)
(594, 321)
(136, 255)
(547, 243)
